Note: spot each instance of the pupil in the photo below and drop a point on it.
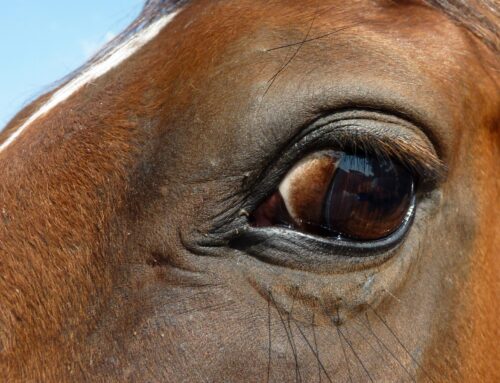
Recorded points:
(368, 197)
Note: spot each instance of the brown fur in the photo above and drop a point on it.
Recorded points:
(103, 200)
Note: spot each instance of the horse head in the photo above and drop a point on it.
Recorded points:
(260, 191)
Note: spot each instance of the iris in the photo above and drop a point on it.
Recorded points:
(331, 193)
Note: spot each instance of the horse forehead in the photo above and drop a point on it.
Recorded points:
(219, 39)
(269, 27)
(222, 23)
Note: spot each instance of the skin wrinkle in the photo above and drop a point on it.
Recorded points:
(95, 284)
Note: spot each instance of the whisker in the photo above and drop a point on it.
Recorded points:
(273, 79)
(269, 335)
(376, 351)
(401, 343)
(380, 342)
(345, 354)
(316, 347)
(320, 364)
(298, 377)
(355, 354)
(313, 38)
(286, 330)
(392, 295)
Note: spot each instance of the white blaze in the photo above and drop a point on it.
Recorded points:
(101, 67)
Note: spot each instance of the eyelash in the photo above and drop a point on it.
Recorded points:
(429, 171)
(427, 168)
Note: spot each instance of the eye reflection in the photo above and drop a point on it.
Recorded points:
(333, 193)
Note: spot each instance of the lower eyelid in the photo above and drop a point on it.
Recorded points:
(296, 250)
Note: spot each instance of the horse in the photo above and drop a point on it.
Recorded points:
(240, 191)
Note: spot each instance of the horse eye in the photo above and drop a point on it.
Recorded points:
(333, 193)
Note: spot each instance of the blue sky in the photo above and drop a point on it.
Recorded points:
(43, 41)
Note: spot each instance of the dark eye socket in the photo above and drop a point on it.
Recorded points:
(331, 193)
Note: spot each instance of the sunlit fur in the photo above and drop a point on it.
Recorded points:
(102, 193)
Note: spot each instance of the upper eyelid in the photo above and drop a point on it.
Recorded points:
(381, 133)
(409, 149)
(387, 136)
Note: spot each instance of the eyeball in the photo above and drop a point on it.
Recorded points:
(332, 193)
